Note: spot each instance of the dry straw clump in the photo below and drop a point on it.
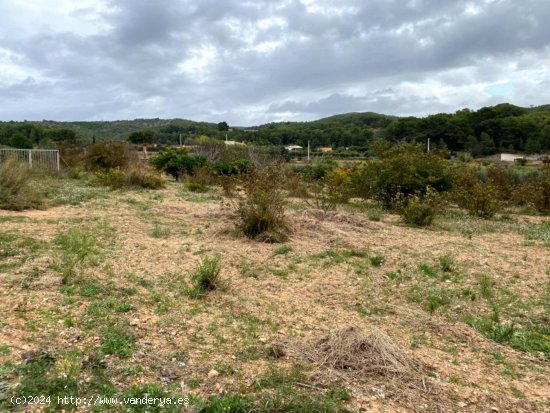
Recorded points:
(370, 353)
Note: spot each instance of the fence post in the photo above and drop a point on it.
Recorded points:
(30, 158)
(57, 160)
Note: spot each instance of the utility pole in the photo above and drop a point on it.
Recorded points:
(308, 150)
(428, 145)
(180, 140)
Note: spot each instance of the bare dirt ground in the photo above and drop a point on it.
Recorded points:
(338, 270)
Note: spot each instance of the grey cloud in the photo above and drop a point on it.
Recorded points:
(131, 66)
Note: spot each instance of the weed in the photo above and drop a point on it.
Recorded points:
(118, 340)
(447, 263)
(486, 286)
(377, 260)
(159, 399)
(78, 248)
(205, 278)
(282, 251)
(159, 231)
(261, 210)
(428, 270)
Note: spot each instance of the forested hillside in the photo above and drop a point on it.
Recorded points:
(504, 127)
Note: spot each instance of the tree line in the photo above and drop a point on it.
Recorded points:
(489, 130)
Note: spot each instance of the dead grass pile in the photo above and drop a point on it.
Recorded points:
(371, 353)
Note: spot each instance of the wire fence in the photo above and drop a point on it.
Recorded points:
(43, 158)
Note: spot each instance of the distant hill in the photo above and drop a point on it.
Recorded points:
(482, 132)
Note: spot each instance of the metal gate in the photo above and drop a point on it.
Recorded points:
(43, 158)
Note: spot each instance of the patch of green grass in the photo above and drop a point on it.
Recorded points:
(447, 262)
(118, 340)
(281, 391)
(15, 249)
(37, 377)
(90, 288)
(296, 207)
(157, 394)
(160, 231)
(486, 286)
(282, 251)
(428, 270)
(432, 298)
(334, 257)
(79, 247)
(377, 260)
(75, 192)
(538, 232)
(205, 278)
(533, 339)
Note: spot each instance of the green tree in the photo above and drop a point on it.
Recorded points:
(533, 145)
(142, 136)
(223, 126)
(20, 141)
(487, 143)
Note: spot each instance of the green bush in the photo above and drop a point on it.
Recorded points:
(480, 199)
(319, 169)
(235, 168)
(419, 209)
(403, 169)
(109, 155)
(261, 210)
(536, 190)
(176, 161)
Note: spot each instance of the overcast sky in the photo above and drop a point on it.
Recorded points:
(255, 61)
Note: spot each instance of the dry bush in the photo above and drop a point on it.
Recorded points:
(132, 176)
(199, 181)
(143, 177)
(71, 156)
(370, 353)
(17, 191)
(296, 185)
(228, 184)
(261, 209)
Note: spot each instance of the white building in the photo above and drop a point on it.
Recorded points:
(293, 148)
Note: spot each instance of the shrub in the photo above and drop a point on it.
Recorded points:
(143, 177)
(403, 169)
(418, 209)
(134, 176)
(536, 190)
(17, 191)
(109, 155)
(206, 277)
(338, 184)
(199, 181)
(235, 168)
(319, 169)
(480, 199)
(261, 210)
(176, 161)
(228, 185)
(113, 178)
(296, 185)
